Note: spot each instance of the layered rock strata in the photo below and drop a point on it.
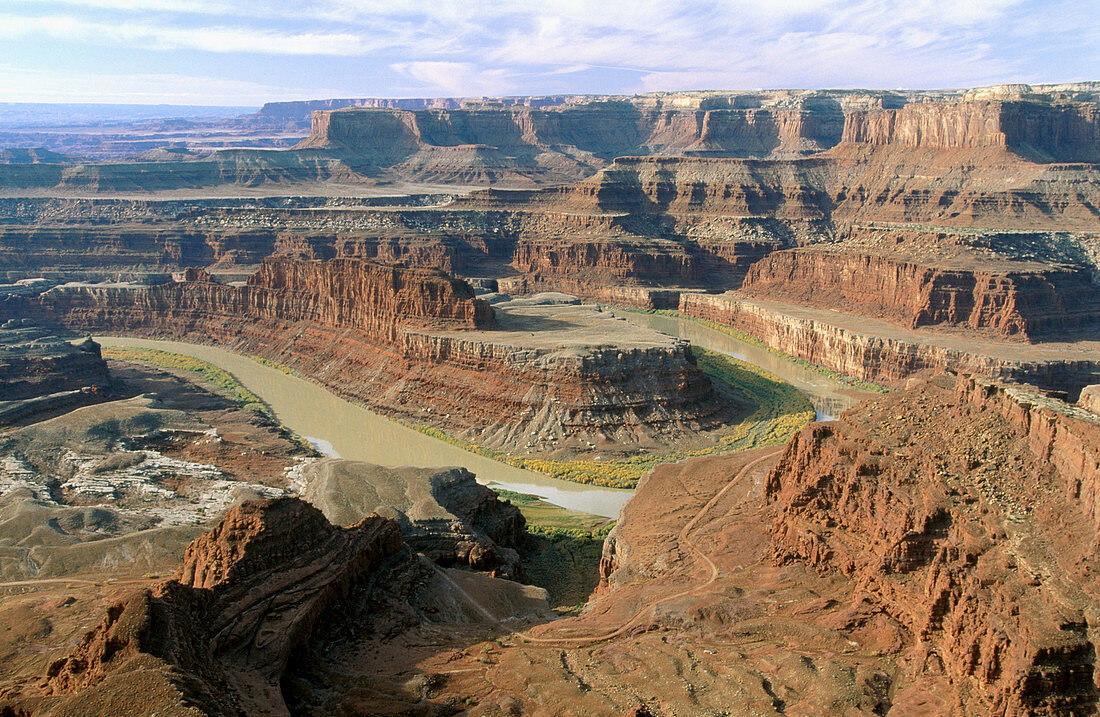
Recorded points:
(1044, 132)
(404, 341)
(540, 141)
(879, 352)
(1025, 301)
(967, 515)
(443, 513)
(41, 373)
(219, 636)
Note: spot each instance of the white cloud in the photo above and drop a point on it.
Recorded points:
(204, 38)
(456, 78)
(457, 47)
(188, 6)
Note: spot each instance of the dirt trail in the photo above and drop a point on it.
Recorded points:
(684, 540)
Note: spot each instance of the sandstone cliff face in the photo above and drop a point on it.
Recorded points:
(1090, 398)
(1024, 303)
(372, 299)
(878, 358)
(125, 251)
(443, 513)
(603, 263)
(33, 363)
(968, 515)
(41, 374)
(1045, 132)
(680, 186)
(219, 637)
(603, 129)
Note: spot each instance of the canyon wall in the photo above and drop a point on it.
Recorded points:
(604, 129)
(375, 301)
(41, 374)
(874, 354)
(221, 635)
(556, 140)
(691, 186)
(1039, 131)
(998, 299)
(967, 514)
(401, 341)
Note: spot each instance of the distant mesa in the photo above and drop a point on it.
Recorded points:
(553, 140)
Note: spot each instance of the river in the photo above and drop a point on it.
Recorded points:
(341, 428)
(828, 396)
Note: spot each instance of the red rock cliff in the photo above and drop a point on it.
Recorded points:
(875, 353)
(998, 299)
(372, 299)
(220, 636)
(393, 338)
(969, 517)
(1061, 132)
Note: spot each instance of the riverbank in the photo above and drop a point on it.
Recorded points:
(356, 433)
(772, 410)
(829, 392)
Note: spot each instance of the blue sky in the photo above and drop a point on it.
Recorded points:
(245, 52)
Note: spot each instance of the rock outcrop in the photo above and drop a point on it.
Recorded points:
(968, 515)
(537, 141)
(1039, 131)
(217, 639)
(417, 344)
(1022, 300)
(1090, 398)
(443, 513)
(40, 373)
(878, 351)
(1004, 180)
(373, 299)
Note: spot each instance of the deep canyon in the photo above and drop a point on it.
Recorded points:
(530, 281)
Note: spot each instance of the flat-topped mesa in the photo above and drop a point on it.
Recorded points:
(1036, 131)
(1006, 299)
(968, 515)
(603, 129)
(982, 163)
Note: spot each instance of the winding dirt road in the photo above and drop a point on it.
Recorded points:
(684, 540)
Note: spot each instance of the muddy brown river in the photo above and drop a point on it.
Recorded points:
(341, 428)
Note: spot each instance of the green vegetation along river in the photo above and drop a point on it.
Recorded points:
(828, 395)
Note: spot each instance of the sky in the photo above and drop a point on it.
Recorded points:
(246, 52)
